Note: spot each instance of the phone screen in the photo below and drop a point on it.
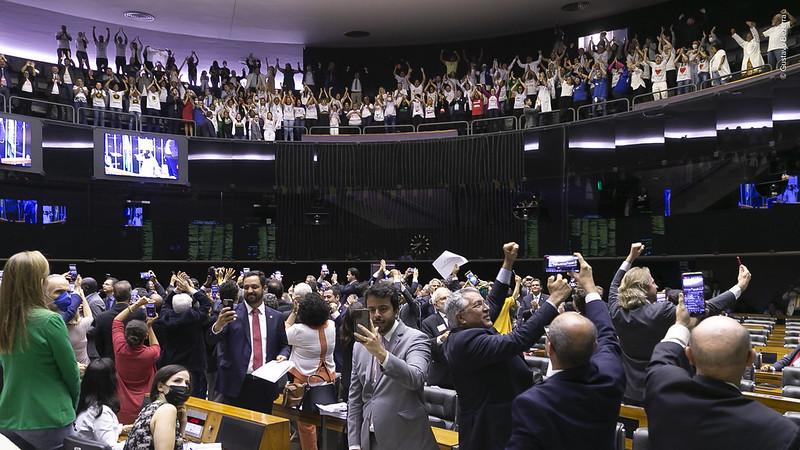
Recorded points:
(134, 296)
(661, 297)
(693, 293)
(361, 317)
(144, 275)
(472, 278)
(73, 271)
(561, 263)
(324, 268)
(214, 291)
(246, 269)
(151, 309)
(227, 303)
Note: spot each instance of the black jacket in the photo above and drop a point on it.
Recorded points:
(693, 413)
(438, 370)
(184, 333)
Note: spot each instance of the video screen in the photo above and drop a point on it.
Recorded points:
(561, 263)
(134, 216)
(693, 292)
(141, 156)
(18, 211)
(53, 214)
(15, 137)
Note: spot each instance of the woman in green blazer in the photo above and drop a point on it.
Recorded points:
(41, 381)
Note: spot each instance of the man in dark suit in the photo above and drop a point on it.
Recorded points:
(585, 390)
(488, 368)
(353, 286)
(102, 323)
(332, 297)
(790, 360)
(249, 335)
(708, 410)
(437, 329)
(532, 299)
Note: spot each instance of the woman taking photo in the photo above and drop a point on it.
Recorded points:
(312, 338)
(160, 424)
(98, 404)
(135, 360)
(40, 379)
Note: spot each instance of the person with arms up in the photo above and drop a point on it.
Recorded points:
(641, 321)
(120, 294)
(101, 44)
(778, 34)
(136, 362)
(488, 368)
(585, 390)
(707, 410)
(41, 381)
(160, 424)
(248, 336)
(385, 409)
(751, 48)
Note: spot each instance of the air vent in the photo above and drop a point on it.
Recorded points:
(139, 16)
(357, 34)
(575, 6)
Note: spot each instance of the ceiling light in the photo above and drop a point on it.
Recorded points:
(139, 16)
(357, 34)
(575, 6)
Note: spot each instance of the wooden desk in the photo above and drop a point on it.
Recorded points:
(778, 403)
(276, 434)
(446, 439)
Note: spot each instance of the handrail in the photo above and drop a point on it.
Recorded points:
(555, 112)
(692, 88)
(594, 105)
(340, 127)
(112, 111)
(493, 119)
(172, 119)
(726, 78)
(386, 127)
(439, 124)
(60, 105)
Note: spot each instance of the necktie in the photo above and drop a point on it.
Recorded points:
(258, 352)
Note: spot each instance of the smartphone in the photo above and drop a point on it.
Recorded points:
(150, 308)
(1, 276)
(144, 275)
(134, 296)
(472, 278)
(227, 303)
(73, 272)
(245, 270)
(324, 269)
(693, 293)
(561, 263)
(661, 296)
(361, 317)
(214, 291)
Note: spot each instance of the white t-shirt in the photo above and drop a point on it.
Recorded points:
(390, 108)
(777, 36)
(430, 112)
(311, 111)
(365, 111)
(354, 118)
(702, 65)
(98, 98)
(299, 112)
(378, 114)
(334, 120)
(153, 101)
(659, 71)
(718, 65)
(135, 104)
(417, 110)
(288, 111)
(519, 100)
(566, 89)
(637, 78)
(306, 347)
(67, 77)
(683, 72)
(115, 98)
(493, 102)
(80, 93)
(27, 86)
(324, 108)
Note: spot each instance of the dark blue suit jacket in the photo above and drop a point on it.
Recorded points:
(576, 408)
(234, 347)
(489, 371)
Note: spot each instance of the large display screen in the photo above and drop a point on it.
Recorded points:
(134, 216)
(20, 144)
(145, 157)
(18, 211)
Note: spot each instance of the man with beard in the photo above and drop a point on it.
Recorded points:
(249, 335)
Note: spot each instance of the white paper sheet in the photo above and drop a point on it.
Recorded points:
(446, 261)
(334, 410)
(273, 370)
(195, 446)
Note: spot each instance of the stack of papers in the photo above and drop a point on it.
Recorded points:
(338, 410)
(194, 446)
(273, 370)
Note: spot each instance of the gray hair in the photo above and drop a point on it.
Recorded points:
(181, 303)
(456, 304)
(302, 289)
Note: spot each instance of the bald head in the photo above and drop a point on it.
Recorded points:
(56, 284)
(572, 339)
(720, 348)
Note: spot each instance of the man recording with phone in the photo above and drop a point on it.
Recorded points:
(690, 412)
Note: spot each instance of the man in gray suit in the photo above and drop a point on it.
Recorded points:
(385, 408)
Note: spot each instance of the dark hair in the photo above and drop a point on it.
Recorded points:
(337, 291)
(384, 289)
(313, 285)
(135, 333)
(275, 287)
(256, 273)
(89, 285)
(163, 375)
(229, 289)
(122, 291)
(354, 272)
(271, 301)
(313, 310)
(348, 324)
(99, 387)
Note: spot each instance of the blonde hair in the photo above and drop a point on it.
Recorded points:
(633, 288)
(21, 291)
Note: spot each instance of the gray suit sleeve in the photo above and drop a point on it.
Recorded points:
(410, 373)
(355, 416)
